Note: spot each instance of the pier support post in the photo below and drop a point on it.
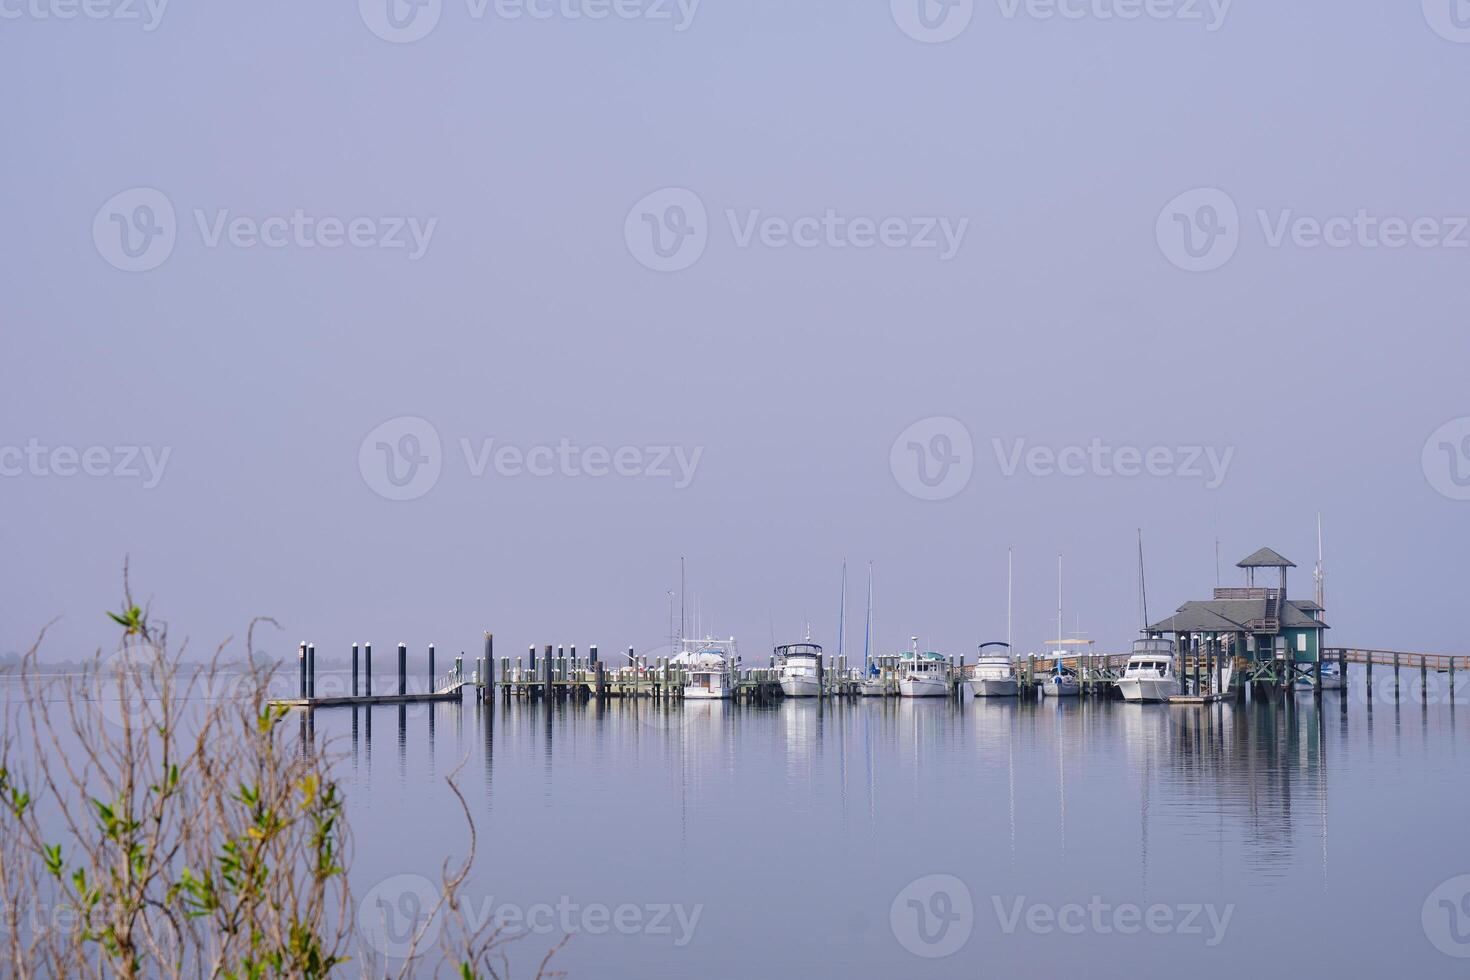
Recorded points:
(487, 674)
(1342, 668)
(1317, 676)
(402, 668)
(433, 678)
(546, 688)
(311, 670)
(1423, 678)
(1368, 677)
(1395, 676)
(367, 669)
(354, 670)
(301, 668)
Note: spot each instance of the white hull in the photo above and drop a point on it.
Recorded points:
(1330, 682)
(993, 687)
(1066, 687)
(1147, 689)
(800, 687)
(704, 694)
(873, 689)
(922, 687)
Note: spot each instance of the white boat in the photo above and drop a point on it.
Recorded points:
(1331, 679)
(711, 666)
(799, 668)
(1061, 683)
(1150, 674)
(923, 675)
(872, 684)
(994, 673)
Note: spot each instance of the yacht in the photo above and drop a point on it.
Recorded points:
(994, 673)
(923, 675)
(1150, 674)
(711, 667)
(799, 667)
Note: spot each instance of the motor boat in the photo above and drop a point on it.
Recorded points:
(1151, 672)
(799, 668)
(994, 673)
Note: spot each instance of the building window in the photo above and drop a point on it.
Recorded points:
(1301, 642)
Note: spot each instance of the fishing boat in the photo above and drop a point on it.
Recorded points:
(923, 674)
(1151, 673)
(799, 668)
(711, 666)
(994, 673)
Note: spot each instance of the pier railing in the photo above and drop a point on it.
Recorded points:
(1397, 658)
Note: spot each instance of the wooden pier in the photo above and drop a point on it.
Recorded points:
(559, 673)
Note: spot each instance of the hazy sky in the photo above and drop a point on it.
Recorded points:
(993, 253)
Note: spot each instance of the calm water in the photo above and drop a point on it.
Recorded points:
(803, 839)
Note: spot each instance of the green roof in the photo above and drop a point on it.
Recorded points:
(1231, 616)
(1265, 558)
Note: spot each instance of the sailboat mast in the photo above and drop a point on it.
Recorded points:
(1059, 599)
(1142, 583)
(1010, 585)
(681, 598)
(868, 625)
(1320, 572)
(842, 609)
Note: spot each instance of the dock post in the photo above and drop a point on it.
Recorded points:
(1342, 667)
(547, 690)
(1423, 677)
(311, 670)
(487, 674)
(531, 660)
(592, 655)
(1031, 673)
(1395, 676)
(402, 669)
(1452, 680)
(1317, 676)
(433, 679)
(301, 667)
(1368, 676)
(354, 670)
(367, 669)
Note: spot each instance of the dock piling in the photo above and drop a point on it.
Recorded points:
(402, 669)
(367, 669)
(301, 666)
